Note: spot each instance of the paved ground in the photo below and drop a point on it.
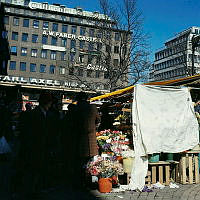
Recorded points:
(185, 192)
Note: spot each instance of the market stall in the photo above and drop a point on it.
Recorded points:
(174, 138)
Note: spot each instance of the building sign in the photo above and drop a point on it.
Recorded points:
(63, 9)
(71, 36)
(47, 82)
(96, 67)
(40, 82)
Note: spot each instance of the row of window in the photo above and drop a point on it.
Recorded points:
(170, 63)
(170, 51)
(170, 74)
(52, 70)
(58, 17)
(63, 42)
(54, 55)
(56, 27)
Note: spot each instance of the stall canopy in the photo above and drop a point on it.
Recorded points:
(127, 92)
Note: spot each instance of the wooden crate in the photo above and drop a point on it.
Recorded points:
(189, 167)
(163, 172)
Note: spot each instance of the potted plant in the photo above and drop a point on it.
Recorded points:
(105, 170)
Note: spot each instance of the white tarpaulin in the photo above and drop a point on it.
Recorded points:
(163, 121)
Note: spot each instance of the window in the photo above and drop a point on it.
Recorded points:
(71, 71)
(81, 58)
(23, 51)
(26, 23)
(117, 36)
(62, 55)
(52, 69)
(106, 75)
(42, 68)
(13, 50)
(115, 62)
(72, 19)
(43, 53)
(80, 72)
(16, 21)
(34, 38)
(55, 27)
(116, 49)
(90, 58)
(97, 74)
(90, 46)
(33, 52)
(45, 25)
(6, 19)
(44, 39)
(82, 31)
(72, 57)
(24, 37)
(64, 28)
(53, 41)
(53, 55)
(35, 24)
(73, 44)
(4, 34)
(99, 46)
(73, 30)
(32, 67)
(61, 70)
(12, 65)
(64, 42)
(22, 66)
(89, 73)
(82, 44)
(91, 32)
(14, 35)
(63, 18)
(108, 48)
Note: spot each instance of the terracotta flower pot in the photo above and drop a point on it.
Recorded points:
(105, 185)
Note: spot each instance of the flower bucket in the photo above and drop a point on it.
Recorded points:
(154, 158)
(105, 185)
(128, 164)
(170, 157)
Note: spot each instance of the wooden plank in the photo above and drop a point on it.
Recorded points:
(177, 177)
(167, 174)
(183, 169)
(160, 174)
(190, 170)
(196, 168)
(153, 173)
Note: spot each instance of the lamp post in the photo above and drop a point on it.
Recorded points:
(195, 43)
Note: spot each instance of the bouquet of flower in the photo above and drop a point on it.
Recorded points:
(104, 168)
(112, 141)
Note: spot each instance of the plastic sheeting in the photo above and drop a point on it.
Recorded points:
(163, 121)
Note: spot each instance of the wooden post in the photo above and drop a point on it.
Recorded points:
(183, 169)
(167, 173)
(190, 169)
(160, 174)
(196, 168)
(153, 174)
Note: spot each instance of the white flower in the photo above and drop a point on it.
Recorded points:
(108, 140)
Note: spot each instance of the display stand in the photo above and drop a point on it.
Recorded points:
(163, 172)
(189, 167)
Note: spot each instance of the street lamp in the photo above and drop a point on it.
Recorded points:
(195, 43)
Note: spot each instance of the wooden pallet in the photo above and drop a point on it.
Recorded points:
(189, 168)
(163, 172)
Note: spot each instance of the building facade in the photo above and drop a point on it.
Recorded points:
(176, 59)
(54, 46)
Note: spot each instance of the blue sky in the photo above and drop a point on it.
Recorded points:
(162, 18)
